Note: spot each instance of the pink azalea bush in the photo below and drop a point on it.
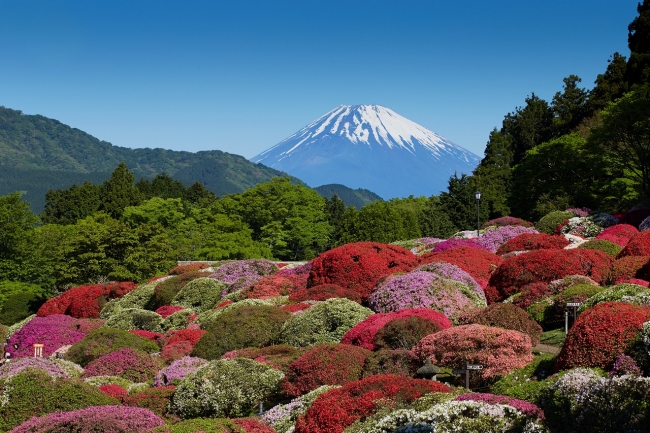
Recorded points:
(128, 363)
(457, 242)
(53, 332)
(453, 272)
(499, 350)
(243, 273)
(107, 419)
(522, 406)
(493, 239)
(177, 370)
(16, 366)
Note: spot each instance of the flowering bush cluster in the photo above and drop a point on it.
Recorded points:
(620, 234)
(530, 293)
(225, 388)
(140, 297)
(550, 222)
(613, 293)
(550, 310)
(325, 322)
(275, 285)
(243, 273)
(581, 226)
(478, 263)
(399, 362)
(600, 334)
(359, 266)
(609, 248)
(52, 331)
(177, 370)
(458, 242)
(108, 419)
(128, 363)
(532, 241)
(419, 289)
(84, 301)
(447, 270)
(167, 310)
(135, 318)
(167, 289)
(629, 267)
(507, 316)
(154, 399)
(522, 406)
(325, 364)
(639, 245)
(190, 267)
(506, 221)
(420, 245)
(200, 294)
(549, 265)
(492, 240)
(338, 408)
(16, 366)
(323, 292)
(301, 269)
(283, 417)
(102, 341)
(279, 356)
(115, 391)
(498, 350)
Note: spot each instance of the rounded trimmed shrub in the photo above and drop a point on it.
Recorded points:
(493, 239)
(609, 248)
(530, 293)
(600, 334)
(190, 267)
(167, 289)
(359, 266)
(154, 399)
(479, 264)
(137, 298)
(17, 366)
(200, 294)
(324, 292)
(275, 285)
(339, 408)
(242, 273)
(498, 350)
(249, 326)
(135, 318)
(225, 388)
(85, 301)
(177, 370)
(612, 294)
(102, 341)
(457, 242)
(447, 270)
(506, 316)
(201, 425)
(325, 322)
(548, 265)
(324, 364)
(127, 363)
(550, 311)
(619, 234)
(400, 362)
(522, 406)
(506, 221)
(53, 332)
(639, 245)
(628, 267)
(550, 222)
(404, 333)
(533, 241)
(279, 356)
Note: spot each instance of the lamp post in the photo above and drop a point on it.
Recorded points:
(477, 194)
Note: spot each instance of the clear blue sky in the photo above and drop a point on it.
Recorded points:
(240, 76)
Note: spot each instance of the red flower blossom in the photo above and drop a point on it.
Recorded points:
(639, 245)
(85, 301)
(533, 241)
(620, 234)
(478, 263)
(167, 310)
(323, 292)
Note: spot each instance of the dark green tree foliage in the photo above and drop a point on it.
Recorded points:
(163, 186)
(434, 221)
(569, 106)
(67, 206)
(19, 300)
(459, 203)
(494, 174)
(198, 195)
(609, 86)
(638, 40)
(119, 192)
(335, 208)
(383, 222)
(528, 126)
(17, 223)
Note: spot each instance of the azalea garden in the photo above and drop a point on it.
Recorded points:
(334, 344)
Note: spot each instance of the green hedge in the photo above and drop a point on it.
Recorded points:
(101, 341)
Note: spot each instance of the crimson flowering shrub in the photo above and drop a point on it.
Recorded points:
(167, 310)
(364, 333)
(191, 335)
(636, 281)
(324, 364)
(115, 391)
(639, 245)
(323, 292)
(154, 399)
(530, 293)
(529, 409)
(478, 263)
(85, 301)
(279, 356)
(127, 363)
(600, 334)
(419, 289)
(359, 266)
(177, 370)
(507, 221)
(53, 331)
(242, 273)
(400, 362)
(629, 267)
(176, 350)
(458, 242)
(549, 265)
(620, 234)
(294, 308)
(181, 269)
(506, 316)
(251, 425)
(107, 419)
(493, 239)
(339, 408)
(275, 285)
(498, 350)
(533, 241)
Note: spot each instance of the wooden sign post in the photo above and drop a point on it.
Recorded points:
(468, 368)
(575, 306)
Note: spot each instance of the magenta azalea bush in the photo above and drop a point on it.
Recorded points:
(177, 370)
(419, 289)
(457, 242)
(522, 406)
(243, 273)
(106, 419)
(14, 367)
(127, 363)
(298, 270)
(491, 240)
(53, 332)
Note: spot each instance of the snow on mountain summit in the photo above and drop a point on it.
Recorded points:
(371, 147)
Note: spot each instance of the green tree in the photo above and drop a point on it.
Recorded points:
(569, 106)
(459, 202)
(118, 192)
(17, 223)
(198, 195)
(67, 206)
(434, 221)
(379, 222)
(494, 172)
(638, 40)
(528, 126)
(610, 85)
(334, 207)
(166, 212)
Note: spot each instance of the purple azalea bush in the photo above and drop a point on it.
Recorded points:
(107, 419)
(127, 363)
(16, 366)
(579, 211)
(491, 240)
(303, 269)
(457, 242)
(419, 289)
(623, 365)
(453, 272)
(528, 409)
(53, 332)
(177, 370)
(645, 225)
(243, 273)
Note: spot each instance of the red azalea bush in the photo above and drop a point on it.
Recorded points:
(499, 350)
(279, 356)
(507, 221)
(636, 281)
(156, 337)
(533, 241)
(478, 263)
(338, 408)
(115, 391)
(600, 334)
(85, 301)
(323, 292)
(128, 363)
(180, 344)
(505, 316)
(629, 267)
(251, 425)
(324, 364)
(530, 293)
(364, 333)
(620, 234)
(167, 310)
(275, 285)
(294, 308)
(639, 245)
(190, 267)
(155, 399)
(548, 265)
(359, 266)
(191, 335)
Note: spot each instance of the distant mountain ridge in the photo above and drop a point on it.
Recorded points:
(38, 153)
(370, 147)
(351, 197)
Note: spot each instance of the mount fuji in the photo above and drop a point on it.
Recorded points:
(371, 147)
